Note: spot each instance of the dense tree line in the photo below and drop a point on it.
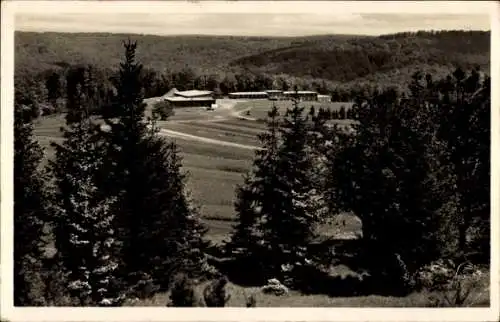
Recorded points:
(49, 91)
(414, 168)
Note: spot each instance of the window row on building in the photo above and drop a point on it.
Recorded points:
(276, 95)
(193, 98)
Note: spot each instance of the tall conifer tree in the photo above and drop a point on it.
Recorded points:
(85, 237)
(30, 208)
(289, 226)
(255, 198)
(159, 228)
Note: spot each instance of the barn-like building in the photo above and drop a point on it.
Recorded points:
(191, 98)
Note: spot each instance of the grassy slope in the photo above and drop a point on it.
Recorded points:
(210, 169)
(213, 171)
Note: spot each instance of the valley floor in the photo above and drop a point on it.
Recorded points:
(217, 149)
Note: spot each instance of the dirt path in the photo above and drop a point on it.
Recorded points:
(190, 137)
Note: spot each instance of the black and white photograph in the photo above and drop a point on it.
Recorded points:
(249, 154)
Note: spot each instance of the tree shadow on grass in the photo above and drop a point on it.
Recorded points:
(243, 272)
(348, 274)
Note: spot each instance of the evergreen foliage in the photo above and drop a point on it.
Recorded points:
(85, 237)
(215, 294)
(462, 112)
(289, 225)
(163, 110)
(279, 206)
(404, 168)
(30, 207)
(159, 227)
(256, 197)
(385, 179)
(182, 292)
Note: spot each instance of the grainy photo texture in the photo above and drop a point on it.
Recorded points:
(251, 159)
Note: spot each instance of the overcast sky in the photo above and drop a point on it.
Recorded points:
(259, 18)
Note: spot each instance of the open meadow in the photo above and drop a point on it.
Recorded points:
(213, 170)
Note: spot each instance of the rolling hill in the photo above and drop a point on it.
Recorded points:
(38, 51)
(361, 57)
(335, 58)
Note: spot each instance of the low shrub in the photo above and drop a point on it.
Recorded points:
(144, 286)
(163, 110)
(275, 287)
(215, 294)
(436, 275)
(452, 285)
(182, 292)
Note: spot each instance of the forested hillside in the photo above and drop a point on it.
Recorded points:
(39, 51)
(362, 57)
(333, 58)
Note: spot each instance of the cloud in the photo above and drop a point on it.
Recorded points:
(253, 24)
(428, 21)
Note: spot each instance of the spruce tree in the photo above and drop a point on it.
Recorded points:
(384, 174)
(255, 197)
(462, 113)
(159, 227)
(279, 205)
(289, 223)
(172, 235)
(30, 207)
(85, 237)
(320, 147)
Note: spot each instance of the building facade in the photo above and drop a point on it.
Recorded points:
(303, 96)
(248, 95)
(324, 98)
(275, 94)
(192, 98)
(278, 95)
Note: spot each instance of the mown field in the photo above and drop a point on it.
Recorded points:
(213, 171)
